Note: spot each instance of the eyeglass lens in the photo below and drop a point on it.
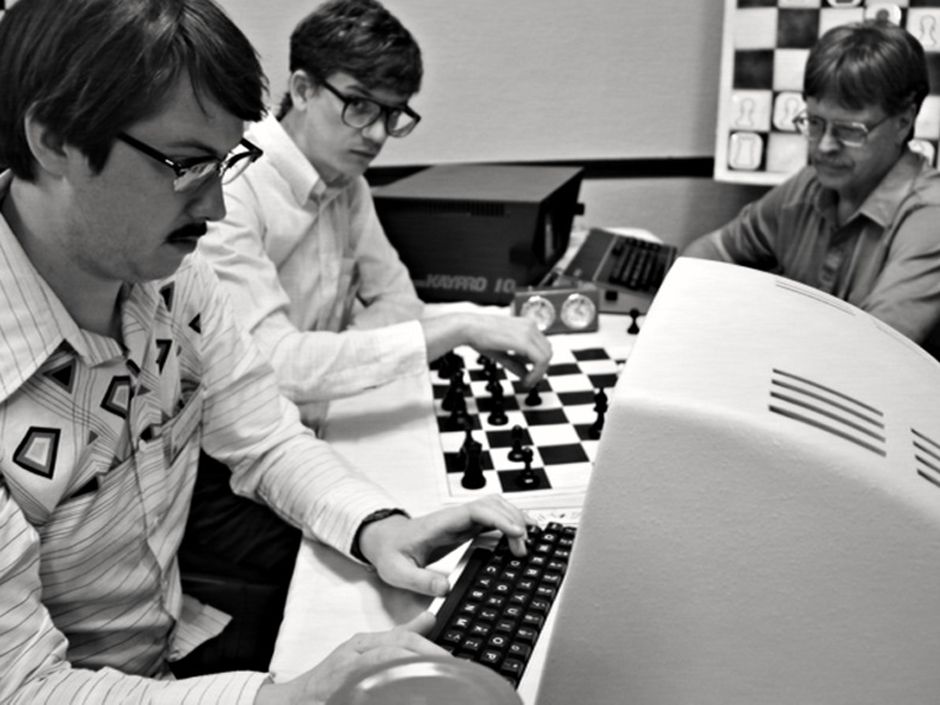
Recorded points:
(227, 169)
(852, 134)
(361, 112)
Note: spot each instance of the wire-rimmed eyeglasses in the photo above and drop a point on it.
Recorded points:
(849, 134)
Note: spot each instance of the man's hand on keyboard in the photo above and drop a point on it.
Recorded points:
(360, 652)
(400, 548)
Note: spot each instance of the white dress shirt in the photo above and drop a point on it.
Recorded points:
(98, 448)
(302, 260)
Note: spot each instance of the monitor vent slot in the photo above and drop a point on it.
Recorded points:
(800, 399)
(488, 209)
(926, 457)
(795, 288)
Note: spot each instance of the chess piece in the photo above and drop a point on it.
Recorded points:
(449, 363)
(454, 391)
(473, 477)
(494, 387)
(497, 416)
(518, 436)
(527, 479)
(458, 410)
(634, 326)
(600, 406)
(533, 398)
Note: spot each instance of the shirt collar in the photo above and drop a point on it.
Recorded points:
(882, 204)
(34, 322)
(290, 162)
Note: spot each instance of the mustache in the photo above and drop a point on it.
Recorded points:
(831, 163)
(189, 231)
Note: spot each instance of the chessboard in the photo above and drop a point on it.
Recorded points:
(765, 45)
(537, 447)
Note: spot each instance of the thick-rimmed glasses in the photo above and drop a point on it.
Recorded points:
(848, 134)
(192, 173)
(360, 112)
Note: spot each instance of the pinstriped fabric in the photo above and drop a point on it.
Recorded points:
(98, 447)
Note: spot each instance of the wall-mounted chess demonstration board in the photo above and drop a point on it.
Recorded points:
(558, 429)
(764, 49)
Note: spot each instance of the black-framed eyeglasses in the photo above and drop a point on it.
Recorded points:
(849, 134)
(192, 173)
(360, 112)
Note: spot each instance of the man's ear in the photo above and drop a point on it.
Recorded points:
(48, 149)
(301, 87)
(906, 123)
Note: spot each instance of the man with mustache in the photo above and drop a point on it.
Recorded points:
(861, 220)
(120, 359)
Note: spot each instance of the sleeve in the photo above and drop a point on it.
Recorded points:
(385, 290)
(33, 665)
(249, 426)
(311, 366)
(906, 294)
(753, 237)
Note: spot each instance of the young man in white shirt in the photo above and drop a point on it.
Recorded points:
(301, 251)
(311, 274)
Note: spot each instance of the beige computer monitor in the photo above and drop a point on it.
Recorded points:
(763, 521)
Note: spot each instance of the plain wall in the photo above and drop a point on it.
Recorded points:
(552, 80)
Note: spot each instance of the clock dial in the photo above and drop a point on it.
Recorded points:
(578, 311)
(540, 310)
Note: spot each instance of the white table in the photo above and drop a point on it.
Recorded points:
(391, 434)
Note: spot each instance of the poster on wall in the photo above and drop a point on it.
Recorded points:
(765, 44)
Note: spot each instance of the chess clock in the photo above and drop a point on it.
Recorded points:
(564, 310)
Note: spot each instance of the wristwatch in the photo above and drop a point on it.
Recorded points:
(375, 516)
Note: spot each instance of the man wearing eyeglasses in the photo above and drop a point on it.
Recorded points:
(301, 250)
(120, 359)
(310, 271)
(861, 220)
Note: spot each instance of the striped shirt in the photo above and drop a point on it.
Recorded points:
(298, 258)
(98, 448)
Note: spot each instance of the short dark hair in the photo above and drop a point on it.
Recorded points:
(358, 37)
(86, 69)
(868, 63)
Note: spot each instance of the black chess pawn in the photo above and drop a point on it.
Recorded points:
(634, 326)
(533, 398)
(497, 415)
(527, 479)
(518, 437)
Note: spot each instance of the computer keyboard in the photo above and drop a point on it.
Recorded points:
(622, 262)
(499, 603)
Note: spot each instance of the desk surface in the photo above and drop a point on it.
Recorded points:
(391, 435)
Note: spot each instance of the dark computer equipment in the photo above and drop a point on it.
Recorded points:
(478, 232)
(499, 605)
(627, 269)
